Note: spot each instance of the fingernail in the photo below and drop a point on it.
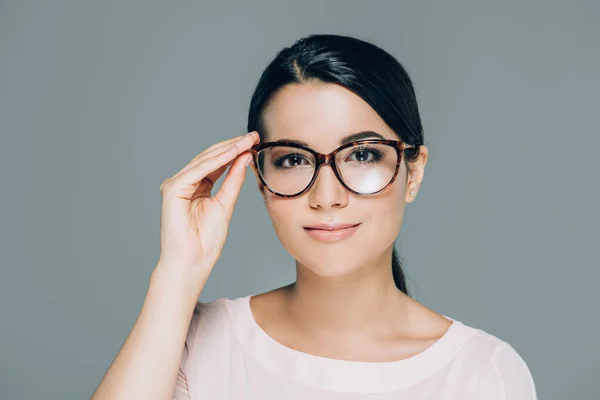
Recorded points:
(248, 161)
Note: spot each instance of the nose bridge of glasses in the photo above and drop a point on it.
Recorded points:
(324, 159)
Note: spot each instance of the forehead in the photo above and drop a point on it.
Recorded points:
(320, 115)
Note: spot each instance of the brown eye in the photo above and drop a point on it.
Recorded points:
(366, 154)
(290, 161)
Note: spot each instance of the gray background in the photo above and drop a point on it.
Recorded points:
(101, 101)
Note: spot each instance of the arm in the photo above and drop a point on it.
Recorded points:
(193, 229)
(148, 364)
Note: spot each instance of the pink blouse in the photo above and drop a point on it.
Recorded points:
(227, 355)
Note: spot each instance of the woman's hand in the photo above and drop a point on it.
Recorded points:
(194, 225)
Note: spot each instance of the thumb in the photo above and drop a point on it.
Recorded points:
(232, 184)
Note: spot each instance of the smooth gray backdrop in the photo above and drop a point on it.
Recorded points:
(100, 101)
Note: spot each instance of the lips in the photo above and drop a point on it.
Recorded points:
(331, 232)
(330, 227)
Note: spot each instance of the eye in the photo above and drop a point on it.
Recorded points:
(365, 155)
(290, 160)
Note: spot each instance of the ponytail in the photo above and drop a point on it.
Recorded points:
(398, 273)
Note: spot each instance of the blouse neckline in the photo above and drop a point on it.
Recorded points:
(360, 377)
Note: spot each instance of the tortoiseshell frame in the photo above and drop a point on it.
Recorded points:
(321, 159)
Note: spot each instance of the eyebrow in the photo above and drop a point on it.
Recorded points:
(350, 138)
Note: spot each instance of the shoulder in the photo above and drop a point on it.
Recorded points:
(505, 374)
(211, 320)
(208, 342)
(211, 310)
(212, 315)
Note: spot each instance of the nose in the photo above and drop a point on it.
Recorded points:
(327, 191)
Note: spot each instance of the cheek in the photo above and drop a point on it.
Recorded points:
(385, 220)
(381, 218)
(286, 218)
(386, 213)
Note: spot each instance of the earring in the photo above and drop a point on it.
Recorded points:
(412, 192)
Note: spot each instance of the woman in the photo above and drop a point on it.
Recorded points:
(336, 146)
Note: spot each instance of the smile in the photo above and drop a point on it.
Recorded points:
(333, 235)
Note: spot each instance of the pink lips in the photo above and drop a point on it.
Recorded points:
(331, 233)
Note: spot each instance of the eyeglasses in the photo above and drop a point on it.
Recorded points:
(365, 167)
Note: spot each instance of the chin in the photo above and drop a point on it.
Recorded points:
(329, 271)
(329, 264)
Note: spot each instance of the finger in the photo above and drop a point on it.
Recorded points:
(232, 184)
(185, 185)
(216, 149)
(225, 142)
(243, 144)
(212, 177)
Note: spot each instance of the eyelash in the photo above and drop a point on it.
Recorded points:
(373, 150)
(279, 160)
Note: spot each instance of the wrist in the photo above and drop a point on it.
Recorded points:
(186, 280)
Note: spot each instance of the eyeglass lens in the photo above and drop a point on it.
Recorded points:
(364, 168)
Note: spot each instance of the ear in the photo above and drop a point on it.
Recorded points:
(416, 171)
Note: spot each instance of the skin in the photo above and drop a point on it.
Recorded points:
(344, 303)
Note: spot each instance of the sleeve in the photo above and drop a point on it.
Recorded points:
(182, 391)
(507, 377)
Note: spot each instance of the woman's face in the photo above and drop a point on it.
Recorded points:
(321, 116)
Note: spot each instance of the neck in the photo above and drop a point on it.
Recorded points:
(363, 300)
